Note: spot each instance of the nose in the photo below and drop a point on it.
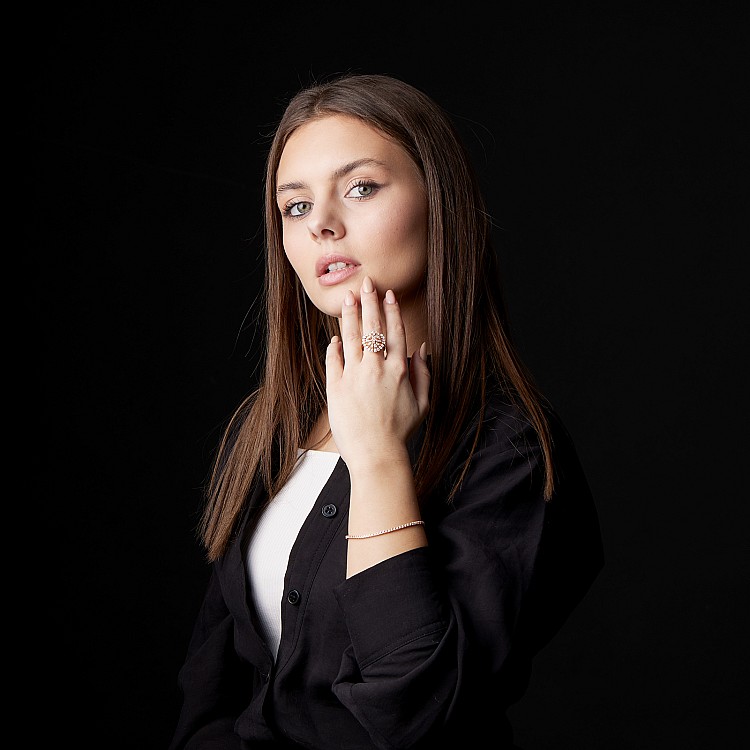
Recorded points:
(324, 222)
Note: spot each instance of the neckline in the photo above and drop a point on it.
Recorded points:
(300, 451)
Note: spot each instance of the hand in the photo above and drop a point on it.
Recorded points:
(375, 402)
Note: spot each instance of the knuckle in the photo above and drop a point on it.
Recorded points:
(398, 327)
(400, 370)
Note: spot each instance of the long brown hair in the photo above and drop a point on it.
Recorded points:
(468, 332)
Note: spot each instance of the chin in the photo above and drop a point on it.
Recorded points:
(329, 312)
(328, 306)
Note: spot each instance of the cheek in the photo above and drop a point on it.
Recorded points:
(291, 250)
(411, 214)
(407, 229)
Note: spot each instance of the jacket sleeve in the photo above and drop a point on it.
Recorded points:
(210, 680)
(443, 636)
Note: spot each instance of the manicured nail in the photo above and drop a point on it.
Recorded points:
(335, 340)
(367, 285)
(423, 351)
(349, 299)
(390, 297)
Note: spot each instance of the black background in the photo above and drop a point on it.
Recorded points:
(610, 141)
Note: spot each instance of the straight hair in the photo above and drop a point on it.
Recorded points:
(467, 322)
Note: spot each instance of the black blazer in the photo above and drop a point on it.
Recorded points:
(433, 644)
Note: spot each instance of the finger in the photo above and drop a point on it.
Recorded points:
(334, 361)
(350, 336)
(371, 321)
(419, 376)
(395, 333)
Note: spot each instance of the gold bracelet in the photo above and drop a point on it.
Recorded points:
(384, 531)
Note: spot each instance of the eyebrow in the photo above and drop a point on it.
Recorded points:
(337, 174)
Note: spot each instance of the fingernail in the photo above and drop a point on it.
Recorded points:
(423, 351)
(367, 285)
(390, 297)
(349, 299)
(335, 340)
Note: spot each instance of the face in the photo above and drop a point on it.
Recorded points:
(353, 205)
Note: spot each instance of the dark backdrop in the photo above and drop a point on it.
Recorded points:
(611, 147)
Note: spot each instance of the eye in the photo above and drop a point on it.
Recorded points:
(363, 189)
(296, 209)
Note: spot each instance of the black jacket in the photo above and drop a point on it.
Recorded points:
(432, 644)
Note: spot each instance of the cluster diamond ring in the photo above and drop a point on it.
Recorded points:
(374, 341)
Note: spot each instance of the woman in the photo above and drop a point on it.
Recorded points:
(397, 520)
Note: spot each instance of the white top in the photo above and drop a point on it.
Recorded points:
(275, 534)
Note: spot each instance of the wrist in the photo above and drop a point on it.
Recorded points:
(377, 462)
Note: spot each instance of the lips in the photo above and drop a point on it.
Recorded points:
(321, 267)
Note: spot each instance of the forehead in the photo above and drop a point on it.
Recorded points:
(323, 145)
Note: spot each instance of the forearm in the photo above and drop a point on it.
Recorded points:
(383, 496)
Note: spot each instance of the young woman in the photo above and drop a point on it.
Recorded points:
(397, 520)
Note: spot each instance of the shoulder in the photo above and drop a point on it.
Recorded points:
(501, 437)
(498, 425)
(502, 423)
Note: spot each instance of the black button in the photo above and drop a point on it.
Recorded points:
(329, 511)
(293, 597)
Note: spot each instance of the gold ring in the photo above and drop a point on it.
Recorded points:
(373, 341)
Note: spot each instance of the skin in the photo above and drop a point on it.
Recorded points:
(375, 401)
(381, 224)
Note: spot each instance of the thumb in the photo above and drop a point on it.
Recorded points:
(334, 361)
(419, 376)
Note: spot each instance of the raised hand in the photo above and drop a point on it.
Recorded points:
(375, 400)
